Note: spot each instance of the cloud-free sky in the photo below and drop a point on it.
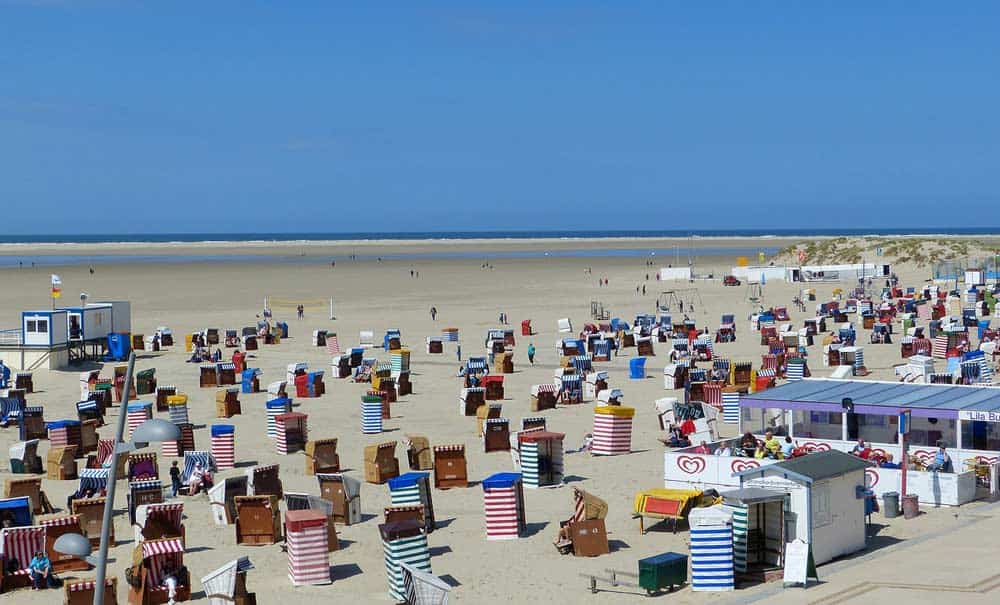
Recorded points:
(402, 116)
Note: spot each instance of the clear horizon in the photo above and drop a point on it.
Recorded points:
(130, 117)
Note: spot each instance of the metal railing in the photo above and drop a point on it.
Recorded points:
(10, 337)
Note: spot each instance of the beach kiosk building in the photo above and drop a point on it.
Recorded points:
(41, 341)
(965, 418)
(824, 502)
(828, 414)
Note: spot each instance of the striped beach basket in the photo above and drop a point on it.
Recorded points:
(583, 363)
(796, 370)
(413, 489)
(64, 432)
(137, 412)
(403, 542)
(711, 549)
(177, 406)
(534, 445)
(95, 479)
(859, 358)
(612, 430)
(986, 372)
(939, 346)
(332, 344)
(171, 512)
(503, 505)
(293, 432)
(449, 334)
(400, 360)
(712, 392)
(741, 527)
(224, 445)
(570, 384)
(162, 392)
(731, 408)
(54, 528)
(371, 414)
(275, 408)
(307, 540)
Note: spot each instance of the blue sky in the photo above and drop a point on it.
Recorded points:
(120, 116)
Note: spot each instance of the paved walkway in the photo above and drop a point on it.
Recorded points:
(955, 563)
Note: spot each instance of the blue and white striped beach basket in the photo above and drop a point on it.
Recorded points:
(986, 372)
(371, 417)
(414, 552)
(405, 489)
(795, 371)
(275, 408)
(731, 408)
(711, 549)
(859, 358)
(178, 413)
(95, 479)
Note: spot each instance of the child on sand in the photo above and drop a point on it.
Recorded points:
(175, 479)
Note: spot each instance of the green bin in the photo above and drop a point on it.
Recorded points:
(663, 571)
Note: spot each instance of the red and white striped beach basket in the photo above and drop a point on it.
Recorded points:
(306, 538)
(332, 344)
(136, 415)
(939, 347)
(612, 430)
(504, 514)
(224, 445)
(713, 395)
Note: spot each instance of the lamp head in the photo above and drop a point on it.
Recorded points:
(847, 404)
(155, 430)
(73, 545)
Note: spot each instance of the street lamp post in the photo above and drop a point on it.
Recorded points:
(154, 430)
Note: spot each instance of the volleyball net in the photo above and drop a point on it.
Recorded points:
(314, 305)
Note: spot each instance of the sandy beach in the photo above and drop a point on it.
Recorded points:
(376, 296)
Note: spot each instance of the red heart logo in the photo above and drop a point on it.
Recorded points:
(872, 476)
(691, 465)
(816, 447)
(923, 455)
(986, 459)
(879, 453)
(742, 465)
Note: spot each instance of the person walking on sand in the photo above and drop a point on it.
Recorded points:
(434, 313)
(458, 351)
(175, 479)
(643, 289)
(301, 311)
(531, 353)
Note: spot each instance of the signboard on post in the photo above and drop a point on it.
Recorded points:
(799, 566)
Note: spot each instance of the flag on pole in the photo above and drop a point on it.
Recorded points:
(56, 286)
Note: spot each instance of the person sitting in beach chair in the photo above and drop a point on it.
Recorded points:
(170, 578)
(40, 569)
(200, 478)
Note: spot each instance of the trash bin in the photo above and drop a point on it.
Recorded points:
(890, 504)
(911, 506)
